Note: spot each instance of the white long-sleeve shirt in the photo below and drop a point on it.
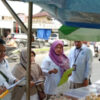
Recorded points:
(4, 67)
(52, 80)
(3, 81)
(83, 64)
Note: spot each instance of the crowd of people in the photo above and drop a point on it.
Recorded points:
(51, 70)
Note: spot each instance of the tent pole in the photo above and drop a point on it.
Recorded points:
(29, 31)
(29, 51)
(24, 28)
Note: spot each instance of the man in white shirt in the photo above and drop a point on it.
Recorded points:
(6, 77)
(87, 45)
(81, 59)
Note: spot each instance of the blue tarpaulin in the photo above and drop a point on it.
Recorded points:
(43, 33)
(74, 13)
(79, 13)
(50, 2)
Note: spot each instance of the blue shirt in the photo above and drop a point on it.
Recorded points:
(83, 64)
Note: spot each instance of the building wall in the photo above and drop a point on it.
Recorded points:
(44, 22)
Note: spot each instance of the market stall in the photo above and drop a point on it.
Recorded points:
(91, 92)
(69, 12)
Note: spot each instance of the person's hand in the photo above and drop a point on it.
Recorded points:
(2, 89)
(31, 84)
(15, 80)
(53, 71)
(69, 74)
(85, 82)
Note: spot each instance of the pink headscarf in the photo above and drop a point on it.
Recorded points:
(60, 60)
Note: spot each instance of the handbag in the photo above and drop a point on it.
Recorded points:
(40, 92)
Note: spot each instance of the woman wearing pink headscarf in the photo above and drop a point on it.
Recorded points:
(54, 66)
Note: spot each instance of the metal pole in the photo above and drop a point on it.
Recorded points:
(29, 51)
(24, 28)
(1, 32)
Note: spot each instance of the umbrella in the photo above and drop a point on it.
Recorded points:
(81, 34)
(49, 2)
(78, 13)
(75, 13)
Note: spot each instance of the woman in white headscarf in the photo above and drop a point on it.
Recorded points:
(20, 71)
